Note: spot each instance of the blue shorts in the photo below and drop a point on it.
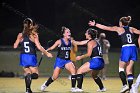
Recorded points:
(27, 60)
(129, 53)
(60, 63)
(96, 63)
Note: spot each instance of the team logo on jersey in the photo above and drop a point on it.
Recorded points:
(65, 48)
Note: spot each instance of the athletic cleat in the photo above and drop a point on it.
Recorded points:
(124, 89)
(43, 87)
(78, 90)
(133, 89)
(73, 89)
(101, 90)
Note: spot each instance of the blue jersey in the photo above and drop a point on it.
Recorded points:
(27, 46)
(96, 62)
(64, 50)
(127, 37)
(28, 53)
(129, 49)
(97, 50)
(63, 56)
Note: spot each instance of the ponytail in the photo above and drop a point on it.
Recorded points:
(125, 20)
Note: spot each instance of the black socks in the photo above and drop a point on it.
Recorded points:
(80, 80)
(73, 80)
(130, 78)
(99, 82)
(123, 77)
(28, 81)
(50, 80)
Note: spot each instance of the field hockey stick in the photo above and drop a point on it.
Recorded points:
(40, 60)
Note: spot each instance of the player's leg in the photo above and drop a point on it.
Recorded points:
(28, 79)
(74, 63)
(55, 75)
(35, 72)
(83, 69)
(122, 75)
(71, 68)
(130, 76)
(94, 74)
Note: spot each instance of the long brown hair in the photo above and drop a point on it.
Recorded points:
(125, 20)
(29, 28)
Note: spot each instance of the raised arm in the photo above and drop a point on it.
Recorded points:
(57, 43)
(136, 31)
(107, 28)
(19, 37)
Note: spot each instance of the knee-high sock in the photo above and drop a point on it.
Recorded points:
(73, 80)
(28, 81)
(49, 81)
(123, 77)
(99, 82)
(80, 80)
(130, 78)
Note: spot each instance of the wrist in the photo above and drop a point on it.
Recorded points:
(47, 52)
(83, 56)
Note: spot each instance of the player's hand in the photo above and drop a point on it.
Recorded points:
(49, 54)
(78, 58)
(91, 23)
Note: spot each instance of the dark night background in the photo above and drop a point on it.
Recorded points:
(74, 14)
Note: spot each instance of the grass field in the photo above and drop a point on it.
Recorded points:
(61, 85)
(9, 61)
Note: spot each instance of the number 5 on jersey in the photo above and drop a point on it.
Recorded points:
(67, 54)
(26, 46)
